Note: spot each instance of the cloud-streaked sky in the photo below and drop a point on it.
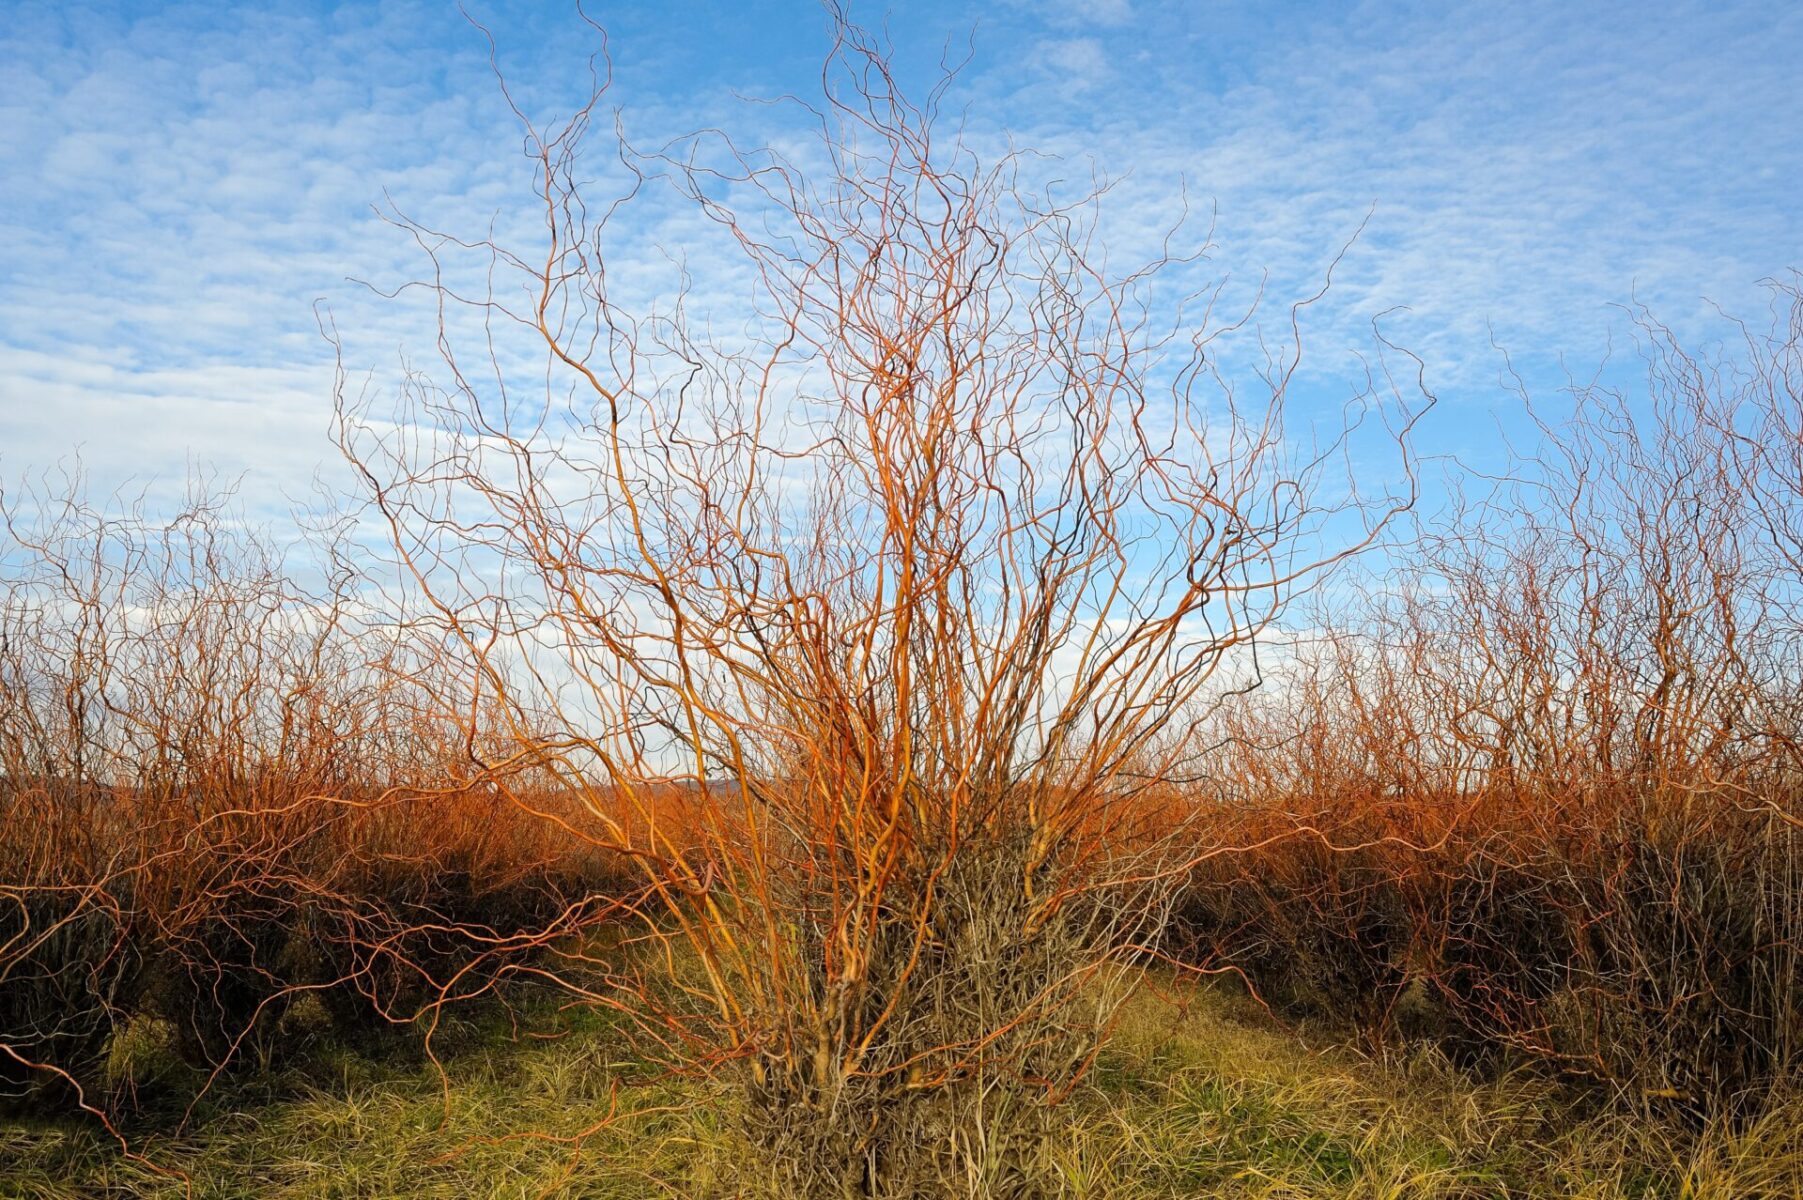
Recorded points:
(179, 185)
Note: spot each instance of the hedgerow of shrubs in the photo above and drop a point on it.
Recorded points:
(214, 800)
(1539, 796)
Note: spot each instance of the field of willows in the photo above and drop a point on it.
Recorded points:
(966, 730)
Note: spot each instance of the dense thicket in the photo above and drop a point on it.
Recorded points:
(220, 791)
(1553, 753)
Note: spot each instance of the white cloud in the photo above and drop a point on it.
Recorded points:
(1072, 63)
(1079, 14)
(175, 196)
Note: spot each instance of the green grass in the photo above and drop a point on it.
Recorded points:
(1210, 1099)
(379, 1119)
(1216, 1100)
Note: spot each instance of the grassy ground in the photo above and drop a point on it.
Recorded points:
(1212, 1099)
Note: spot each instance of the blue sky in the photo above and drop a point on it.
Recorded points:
(179, 185)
